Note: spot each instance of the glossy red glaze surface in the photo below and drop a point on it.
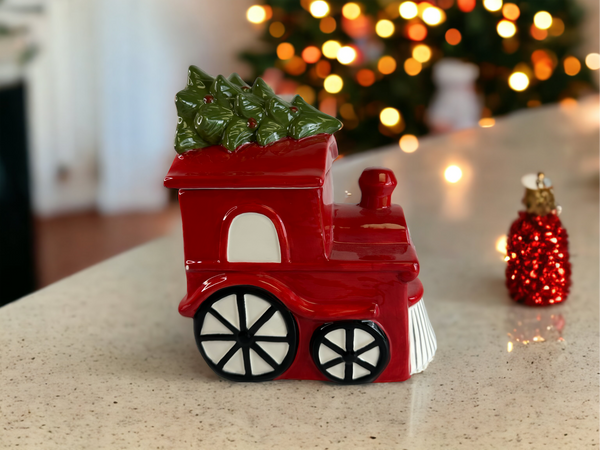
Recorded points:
(338, 262)
(376, 185)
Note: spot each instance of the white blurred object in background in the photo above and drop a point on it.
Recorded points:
(100, 93)
(455, 104)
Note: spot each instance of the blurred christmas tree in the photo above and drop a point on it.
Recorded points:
(370, 62)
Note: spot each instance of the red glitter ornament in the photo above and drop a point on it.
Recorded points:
(538, 272)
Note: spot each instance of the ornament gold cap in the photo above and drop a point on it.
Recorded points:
(539, 197)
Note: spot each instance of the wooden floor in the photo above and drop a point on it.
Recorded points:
(68, 244)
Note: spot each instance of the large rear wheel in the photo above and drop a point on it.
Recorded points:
(246, 334)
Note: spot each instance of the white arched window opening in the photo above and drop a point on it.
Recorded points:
(253, 238)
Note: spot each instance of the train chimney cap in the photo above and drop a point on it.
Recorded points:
(376, 186)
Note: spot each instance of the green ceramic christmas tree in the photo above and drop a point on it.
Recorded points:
(228, 112)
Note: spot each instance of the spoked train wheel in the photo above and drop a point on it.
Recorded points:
(246, 334)
(350, 352)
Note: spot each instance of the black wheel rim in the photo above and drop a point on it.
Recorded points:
(350, 352)
(246, 334)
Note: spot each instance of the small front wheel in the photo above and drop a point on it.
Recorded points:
(246, 334)
(350, 352)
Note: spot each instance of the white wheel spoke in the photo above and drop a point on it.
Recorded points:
(362, 339)
(338, 370)
(215, 350)
(259, 365)
(235, 364)
(372, 356)
(275, 326)
(359, 372)
(276, 350)
(255, 308)
(227, 308)
(212, 325)
(338, 337)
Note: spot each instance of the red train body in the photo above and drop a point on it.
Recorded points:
(336, 284)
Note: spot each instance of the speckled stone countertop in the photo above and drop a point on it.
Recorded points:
(103, 360)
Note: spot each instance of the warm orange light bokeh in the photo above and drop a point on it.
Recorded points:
(386, 65)
(323, 68)
(295, 66)
(538, 34)
(412, 67)
(453, 36)
(311, 54)
(572, 65)
(466, 5)
(328, 106)
(557, 28)
(277, 29)
(285, 50)
(543, 69)
(327, 25)
(365, 77)
(416, 31)
(511, 11)
(307, 93)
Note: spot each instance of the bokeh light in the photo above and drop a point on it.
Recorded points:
(409, 143)
(346, 55)
(518, 81)
(319, 8)
(295, 66)
(572, 65)
(492, 5)
(384, 28)
(557, 28)
(351, 11)
(311, 54)
(285, 50)
(347, 111)
(331, 49)
(323, 68)
(421, 53)
(453, 36)
(256, 14)
(386, 65)
(412, 67)
(466, 5)
(542, 20)
(307, 93)
(511, 11)
(501, 244)
(538, 34)
(506, 29)
(389, 116)
(487, 122)
(277, 29)
(328, 105)
(416, 31)
(543, 69)
(333, 84)
(327, 25)
(433, 16)
(592, 61)
(365, 77)
(408, 10)
(452, 174)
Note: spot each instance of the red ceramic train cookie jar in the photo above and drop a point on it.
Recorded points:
(282, 283)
